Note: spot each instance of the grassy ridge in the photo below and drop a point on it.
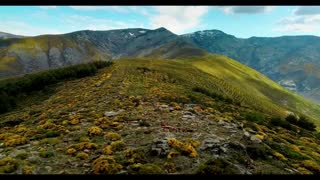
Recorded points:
(11, 88)
(221, 77)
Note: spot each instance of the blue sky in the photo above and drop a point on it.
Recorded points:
(241, 21)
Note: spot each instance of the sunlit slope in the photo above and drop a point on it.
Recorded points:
(226, 77)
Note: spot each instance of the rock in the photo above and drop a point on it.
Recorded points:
(23, 146)
(160, 148)
(228, 127)
(190, 105)
(86, 151)
(2, 156)
(246, 134)
(233, 131)
(164, 106)
(123, 172)
(222, 123)
(211, 141)
(2, 145)
(49, 169)
(254, 139)
(223, 149)
(252, 131)
(188, 117)
(289, 170)
(111, 114)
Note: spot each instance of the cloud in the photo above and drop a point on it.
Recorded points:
(177, 19)
(302, 28)
(99, 8)
(307, 10)
(79, 22)
(246, 9)
(120, 9)
(48, 7)
(21, 28)
(303, 20)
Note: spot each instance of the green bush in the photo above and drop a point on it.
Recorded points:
(11, 88)
(292, 119)
(277, 121)
(306, 124)
(254, 117)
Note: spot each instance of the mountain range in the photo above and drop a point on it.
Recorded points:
(292, 61)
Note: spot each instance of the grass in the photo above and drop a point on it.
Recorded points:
(71, 125)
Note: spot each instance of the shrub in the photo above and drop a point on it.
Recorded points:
(113, 136)
(94, 131)
(292, 119)
(217, 167)
(46, 154)
(277, 121)
(106, 165)
(82, 155)
(306, 124)
(8, 165)
(150, 169)
(254, 117)
(11, 88)
(184, 148)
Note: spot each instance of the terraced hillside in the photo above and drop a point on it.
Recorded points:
(206, 114)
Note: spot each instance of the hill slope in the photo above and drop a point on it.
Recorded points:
(204, 114)
(20, 56)
(293, 61)
(4, 35)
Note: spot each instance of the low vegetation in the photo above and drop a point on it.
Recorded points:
(12, 88)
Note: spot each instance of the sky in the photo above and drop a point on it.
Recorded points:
(240, 21)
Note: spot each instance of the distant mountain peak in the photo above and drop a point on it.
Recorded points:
(4, 35)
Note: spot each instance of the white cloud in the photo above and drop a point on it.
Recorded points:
(48, 7)
(301, 20)
(302, 28)
(120, 9)
(99, 8)
(246, 9)
(21, 28)
(78, 22)
(177, 19)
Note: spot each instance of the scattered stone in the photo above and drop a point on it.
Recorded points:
(111, 114)
(233, 131)
(289, 170)
(160, 147)
(123, 172)
(254, 139)
(23, 146)
(252, 131)
(246, 134)
(223, 149)
(228, 127)
(222, 123)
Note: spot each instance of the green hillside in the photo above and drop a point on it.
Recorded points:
(203, 115)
